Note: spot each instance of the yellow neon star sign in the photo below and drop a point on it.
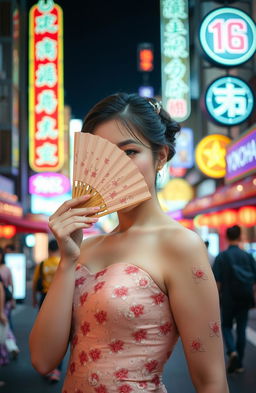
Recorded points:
(210, 155)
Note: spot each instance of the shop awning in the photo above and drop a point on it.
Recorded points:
(24, 224)
(231, 196)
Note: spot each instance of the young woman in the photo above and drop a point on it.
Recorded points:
(124, 298)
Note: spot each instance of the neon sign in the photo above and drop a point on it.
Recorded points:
(241, 157)
(229, 100)
(49, 184)
(210, 155)
(175, 58)
(228, 36)
(46, 103)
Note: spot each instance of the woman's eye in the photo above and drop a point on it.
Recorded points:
(130, 152)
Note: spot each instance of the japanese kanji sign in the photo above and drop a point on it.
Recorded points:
(175, 58)
(46, 103)
(228, 36)
(229, 100)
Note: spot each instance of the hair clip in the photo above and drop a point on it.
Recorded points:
(156, 106)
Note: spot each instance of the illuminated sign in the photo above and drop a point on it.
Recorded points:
(184, 156)
(49, 184)
(241, 157)
(47, 205)
(17, 264)
(210, 155)
(228, 36)
(12, 210)
(229, 100)
(175, 58)
(146, 91)
(175, 195)
(145, 57)
(46, 103)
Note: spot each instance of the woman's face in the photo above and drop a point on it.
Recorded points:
(140, 153)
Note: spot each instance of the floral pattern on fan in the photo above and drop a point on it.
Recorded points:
(104, 171)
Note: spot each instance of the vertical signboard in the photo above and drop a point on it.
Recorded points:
(46, 103)
(15, 87)
(175, 58)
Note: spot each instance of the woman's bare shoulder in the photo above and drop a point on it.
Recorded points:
(181, 243)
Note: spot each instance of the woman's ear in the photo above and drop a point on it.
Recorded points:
(162, 157)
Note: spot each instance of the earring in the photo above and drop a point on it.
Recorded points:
(159, 168)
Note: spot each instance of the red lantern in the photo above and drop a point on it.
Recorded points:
(247, 216)
(215, 220)
(7, 231)
(229, 217)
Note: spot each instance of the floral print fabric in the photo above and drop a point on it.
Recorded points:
(123, 332)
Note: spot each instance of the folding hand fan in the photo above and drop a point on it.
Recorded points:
(105, 172)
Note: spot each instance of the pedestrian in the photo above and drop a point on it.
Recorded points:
(10, 304)
(3, 323)
(122, 299)
(210, 256)
(42, 279)
(235, 273)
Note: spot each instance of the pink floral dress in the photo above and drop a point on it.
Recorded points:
(123, 332)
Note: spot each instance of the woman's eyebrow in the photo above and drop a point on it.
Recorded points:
(128, 142)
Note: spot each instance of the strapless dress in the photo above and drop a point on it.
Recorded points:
(123, 332)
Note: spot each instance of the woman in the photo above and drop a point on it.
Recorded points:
(4, 356)
(129, 294)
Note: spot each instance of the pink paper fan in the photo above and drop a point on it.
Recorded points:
(105, 172)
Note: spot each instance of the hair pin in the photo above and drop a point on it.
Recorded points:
(156, 106)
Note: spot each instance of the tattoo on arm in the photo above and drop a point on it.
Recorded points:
(199, 274)
(214, 329)
(197, 346)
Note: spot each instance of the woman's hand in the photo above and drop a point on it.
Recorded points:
(67, 225)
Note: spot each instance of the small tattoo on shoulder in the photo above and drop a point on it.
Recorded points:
(214, 328)
(199, 274)
(197, 346)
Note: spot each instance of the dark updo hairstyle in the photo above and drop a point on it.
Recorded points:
(136, 113)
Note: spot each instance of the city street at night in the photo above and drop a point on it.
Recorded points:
(127, 196)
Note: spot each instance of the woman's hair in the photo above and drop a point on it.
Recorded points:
(136, 113)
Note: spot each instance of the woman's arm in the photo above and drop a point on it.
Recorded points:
(50, 334)
(195, 304)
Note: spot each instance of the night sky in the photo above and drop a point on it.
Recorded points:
(100, 48)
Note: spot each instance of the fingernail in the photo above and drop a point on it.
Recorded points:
(86, 196)
(96, 208)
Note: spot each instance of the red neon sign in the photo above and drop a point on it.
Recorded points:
(46, 106)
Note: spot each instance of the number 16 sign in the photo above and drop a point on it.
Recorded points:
(228, 36)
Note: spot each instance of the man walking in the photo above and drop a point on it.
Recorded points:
(42, 279)
(235, 273)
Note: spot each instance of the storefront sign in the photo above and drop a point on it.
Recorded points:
(145, 57)
(175, 58)
(210, 155)
(49, 184)
(47, 205)
(229, 100)
(11, 210)
(46, 103)
(184, 156)
(228, 36)
(241, 157)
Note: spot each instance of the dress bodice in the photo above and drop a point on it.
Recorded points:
(123, 332)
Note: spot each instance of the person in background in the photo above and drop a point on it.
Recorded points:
(210, 256)
(6, 276)
(235, 273)
(9, 248)
(4, 356)
(44, 273)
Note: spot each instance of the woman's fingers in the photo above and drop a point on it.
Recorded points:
(86, 211)
(69, 205)
(58, 227)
